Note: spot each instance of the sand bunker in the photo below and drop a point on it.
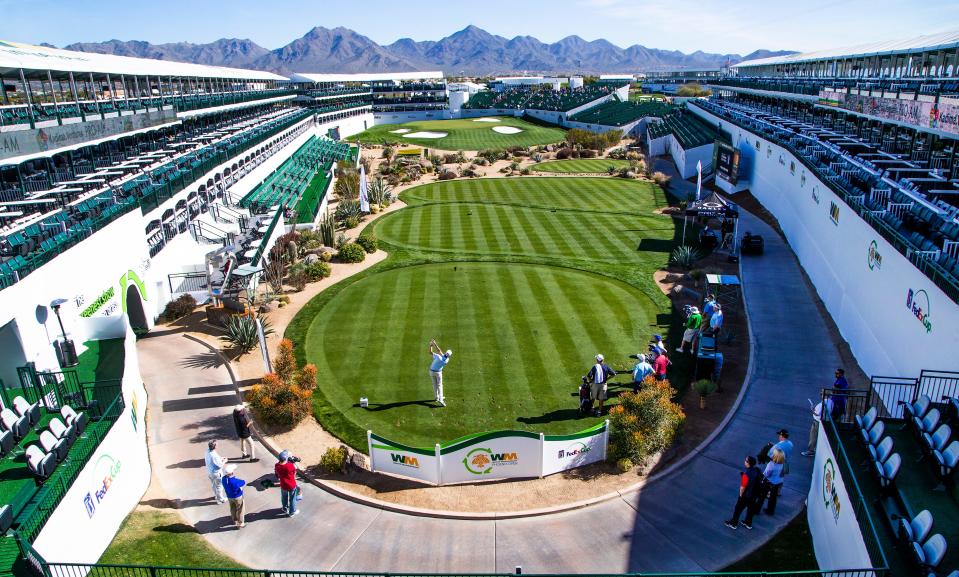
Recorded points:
(400, 130)
(426, 134)
(507, 129)
(486, 120)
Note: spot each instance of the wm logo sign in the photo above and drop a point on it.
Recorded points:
(405, 460)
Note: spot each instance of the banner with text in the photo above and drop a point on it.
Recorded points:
(389, 457)
(941, 116)
(20, 142)
(500, 455)
(562, 452)
(836, 535)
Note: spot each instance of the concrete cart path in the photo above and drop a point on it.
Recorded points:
(673, 524)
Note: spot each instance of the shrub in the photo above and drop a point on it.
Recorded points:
(368, 242)
(297, 277)
(347, 182)
(341, 239)
(684, 256)
(617, 153)
(351, 252)
(317, 271)
(564, 153)
(279, 403)
(661, 179)
(351, 222)
(241, 332)
(624, 465)
(692, 89)
(644, 423)
(588, 153)
(326, 256)
(334, 460)
(327, 229)
(447, 174)
(526, 171)
(284, 365)
(180, 307)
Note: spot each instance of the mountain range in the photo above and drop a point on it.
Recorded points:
(470, 51)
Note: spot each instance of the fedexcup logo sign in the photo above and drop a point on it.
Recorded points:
(830, 496)
(918, 304)
(875, 259)
(573, 450)
(480, 461)
(405, 461)
(109, 468)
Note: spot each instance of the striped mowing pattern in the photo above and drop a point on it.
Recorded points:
(597, 165)
(521, 333)
(465, 134)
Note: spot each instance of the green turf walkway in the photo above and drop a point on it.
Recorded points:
(583, 165)
(525, 279)
(464, 134)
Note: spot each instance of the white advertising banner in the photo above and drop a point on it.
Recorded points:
(487, 456)
(21, 142)
(389, 457)
(563, 452)
(836, 535)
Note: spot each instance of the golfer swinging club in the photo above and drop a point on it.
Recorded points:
(436, 370)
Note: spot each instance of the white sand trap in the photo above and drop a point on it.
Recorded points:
(507, 129)
(486, 120)
(399, 130)
(426, 134)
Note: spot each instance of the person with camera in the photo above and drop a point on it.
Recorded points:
(285, 471)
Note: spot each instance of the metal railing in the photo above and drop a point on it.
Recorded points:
(187, 282)
(83, 570)
(860, 507)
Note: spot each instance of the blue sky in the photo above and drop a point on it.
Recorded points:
(714, 26)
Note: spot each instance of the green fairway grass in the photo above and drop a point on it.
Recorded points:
(464, 134)
(525, 279)
(597, 165)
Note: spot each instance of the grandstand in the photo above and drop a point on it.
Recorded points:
(562, 100)
(618, 113)
(386, 94)
(687, 128)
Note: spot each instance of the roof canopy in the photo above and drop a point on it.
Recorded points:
(713, 206)
(37, 60)
(366, 76)
(916, 44)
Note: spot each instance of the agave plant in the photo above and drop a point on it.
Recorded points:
(347, 209)
(684, 256)
(379, 191)
(241, 332)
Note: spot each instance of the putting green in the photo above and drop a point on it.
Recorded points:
(525, 279)
(596, 165)
(521, 335)
(463, 134)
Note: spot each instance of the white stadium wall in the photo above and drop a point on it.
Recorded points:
(873, 293)
(632, 128)
(109, 486)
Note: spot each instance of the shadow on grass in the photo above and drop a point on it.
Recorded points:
(428, 403)
(176, 528)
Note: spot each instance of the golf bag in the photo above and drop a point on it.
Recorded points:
(585, 402)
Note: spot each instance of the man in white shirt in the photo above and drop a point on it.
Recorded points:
(214, 470)
(440, 359)
(817, 415)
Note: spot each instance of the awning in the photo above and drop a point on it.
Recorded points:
(713, 206)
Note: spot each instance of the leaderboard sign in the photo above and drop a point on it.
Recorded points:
(726, 161)
(488, 456)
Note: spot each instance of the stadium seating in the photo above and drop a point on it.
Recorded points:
(880, 453)
(7, 443)
(539, 98)
(937, 441)
(927, 424)
(73, 418)
(918, 409)
(618, 113)
(866, 421)
(930, 554)
(917, 529)
(53, 445)
(889, 470)
(25, 409)
(872, 435)
(40, 464)
(947, 459)
(17, 426)
(689, 131)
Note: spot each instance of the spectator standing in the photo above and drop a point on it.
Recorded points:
(773, 477)
(839, 395)
(749, 490)
(693, 322)
(214, 470)
(709, 306)
(716, 320)
(823, 408)
(242, 422)
(597, 376)
(286, 474)
(233, 487)
(642, 370)
(659, 366)
(783, 444)
(440, 359)
(657, 347)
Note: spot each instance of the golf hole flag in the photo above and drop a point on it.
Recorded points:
(699, 178)
(364, 195)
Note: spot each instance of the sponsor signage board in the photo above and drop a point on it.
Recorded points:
(562, 452)
(390, 457)
(499, 455)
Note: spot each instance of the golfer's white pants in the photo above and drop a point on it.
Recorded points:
(216, 479)
(437, 377)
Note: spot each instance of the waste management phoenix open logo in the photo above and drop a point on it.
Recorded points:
(875, 259)
(405, 460)
(480, 461)
(829, 495)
